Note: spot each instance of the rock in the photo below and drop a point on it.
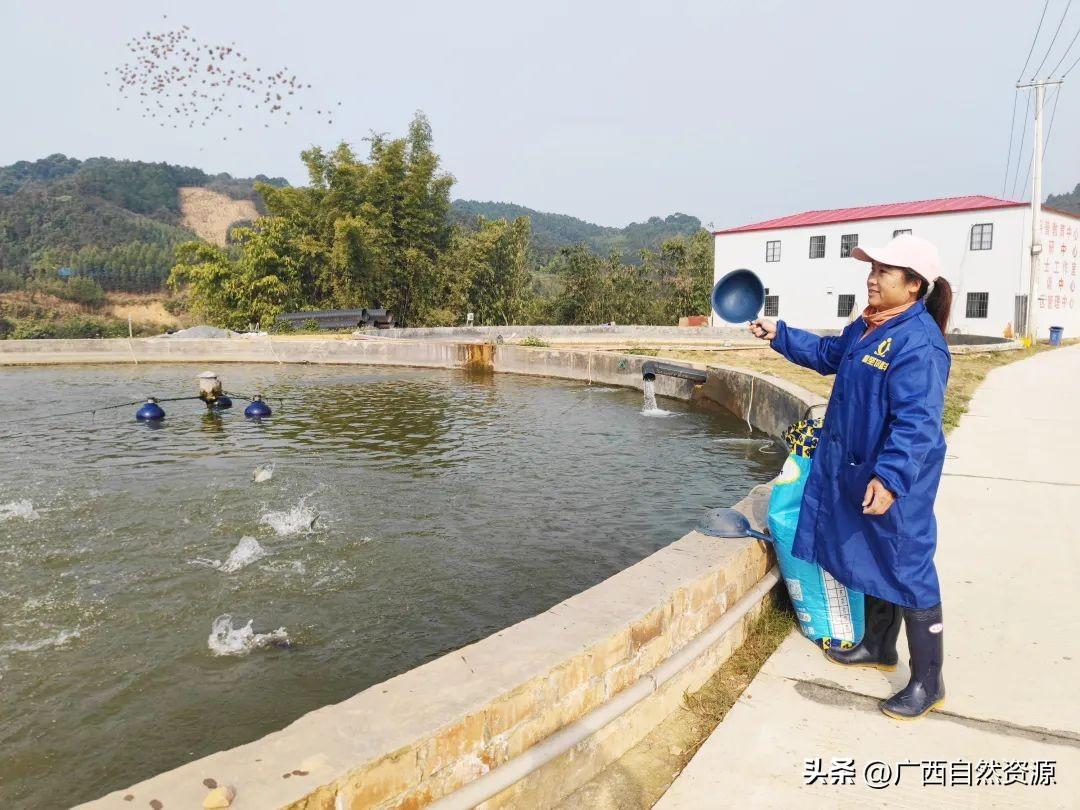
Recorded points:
(219, 797)
(202, 332)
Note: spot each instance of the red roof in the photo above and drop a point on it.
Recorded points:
(974, 202)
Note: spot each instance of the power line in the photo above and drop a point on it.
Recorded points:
(1052, 41)
(1049, 130)
(1062, 59)
(1020, 154)
(1008, 156)
(1074, 64)
(1012, 119)
(1034, 39)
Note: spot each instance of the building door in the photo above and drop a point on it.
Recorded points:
(1020, 312)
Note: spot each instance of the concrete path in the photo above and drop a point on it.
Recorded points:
(1009, 561)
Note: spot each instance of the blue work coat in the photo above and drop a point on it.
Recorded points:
(883, 420)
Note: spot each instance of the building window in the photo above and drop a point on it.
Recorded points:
(844, 304)
(817, 247)
(899, 231)
(977, 304)
(847, 243)
(772, 306)
(982, 237)
(772, 251)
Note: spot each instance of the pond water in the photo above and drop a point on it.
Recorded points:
(382, 517)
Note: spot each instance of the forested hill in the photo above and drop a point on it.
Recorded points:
(1067, 201)
(553, 231)
(114, 220)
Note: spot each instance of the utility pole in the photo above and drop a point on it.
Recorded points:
(1031, 328)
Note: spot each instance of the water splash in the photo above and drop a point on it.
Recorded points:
(649, 388)
(762, 445)
(61, 639)
(649, 407)
(225, 639)
(246, 552)
(264, 472)
(283, 567)
(298, 520)
(18, 509)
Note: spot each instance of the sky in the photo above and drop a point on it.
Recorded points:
(609, 111)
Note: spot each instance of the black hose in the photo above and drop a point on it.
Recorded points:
(650, 368)
(93, 411)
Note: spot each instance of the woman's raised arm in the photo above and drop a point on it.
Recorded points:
(822, 354)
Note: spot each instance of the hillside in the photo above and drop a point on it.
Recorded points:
(553, 231)
(116, 221)
(210, 213)
(1070, 201)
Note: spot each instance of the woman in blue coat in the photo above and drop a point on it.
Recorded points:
(868, 509)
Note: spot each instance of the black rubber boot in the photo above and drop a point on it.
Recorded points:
(878, 646)
(926, 690)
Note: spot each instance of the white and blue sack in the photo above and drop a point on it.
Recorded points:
(829, 613)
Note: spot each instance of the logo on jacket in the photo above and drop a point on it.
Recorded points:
(874, 360)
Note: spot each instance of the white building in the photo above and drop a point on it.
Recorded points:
(985, 243)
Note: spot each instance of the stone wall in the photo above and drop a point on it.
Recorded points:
(624, 335)
(422, 735)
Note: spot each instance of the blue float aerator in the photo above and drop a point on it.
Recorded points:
(257, 409)
(739, 296)
(150, 411)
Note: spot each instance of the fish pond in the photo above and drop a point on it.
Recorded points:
(171, 590)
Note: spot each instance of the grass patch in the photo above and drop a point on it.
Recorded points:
(711, 703)
(968, 371)
(642, 350)
(534, 341)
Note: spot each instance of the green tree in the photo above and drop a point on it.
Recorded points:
(485, 272)
(369, 232)
(684, 268)
(581, 298)
(254, 288)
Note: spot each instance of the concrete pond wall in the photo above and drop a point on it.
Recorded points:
(592, 334)
(595, 335)
(419, 737)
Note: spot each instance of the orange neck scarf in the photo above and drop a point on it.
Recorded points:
(875, 318)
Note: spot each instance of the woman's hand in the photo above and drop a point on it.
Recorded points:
(763, 328)
(877, 499)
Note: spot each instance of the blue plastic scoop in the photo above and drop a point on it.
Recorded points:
(739, 296)
(728, 523)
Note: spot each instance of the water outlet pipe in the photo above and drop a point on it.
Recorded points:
(650, 368)
(495, 782)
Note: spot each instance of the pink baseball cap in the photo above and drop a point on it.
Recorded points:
(904, 250)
